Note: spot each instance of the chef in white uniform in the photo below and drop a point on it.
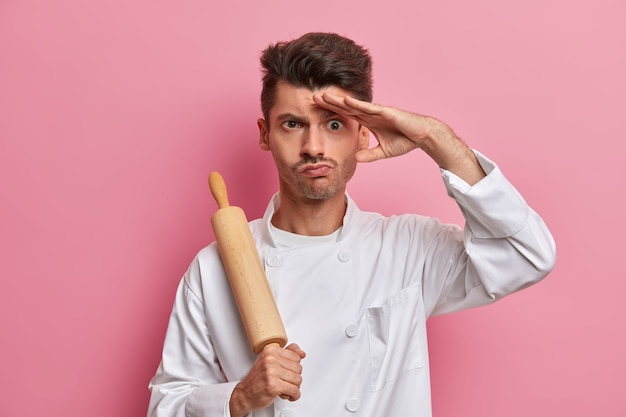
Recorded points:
(354, 288)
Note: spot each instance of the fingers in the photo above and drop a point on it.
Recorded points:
(346, 105)
(332, 103)
(295, 348)
(370, 155)
(282, 371)
(362, 106)
(276, 373)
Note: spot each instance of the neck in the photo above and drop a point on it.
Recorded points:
(310, 217)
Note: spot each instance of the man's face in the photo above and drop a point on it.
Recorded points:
(313, 148)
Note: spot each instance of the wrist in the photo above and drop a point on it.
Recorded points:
(440, 142)
(451, 153)
(237, 404)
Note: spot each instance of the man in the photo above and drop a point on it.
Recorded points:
(354, 288)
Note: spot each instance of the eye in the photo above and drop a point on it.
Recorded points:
(291, 124)
(334, 125)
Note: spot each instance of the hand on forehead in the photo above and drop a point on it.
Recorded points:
(346, 105)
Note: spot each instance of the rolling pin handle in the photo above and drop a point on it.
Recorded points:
(218, 189)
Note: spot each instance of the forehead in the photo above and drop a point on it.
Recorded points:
(294, 100)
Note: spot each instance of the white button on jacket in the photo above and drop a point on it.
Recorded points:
(351, 330)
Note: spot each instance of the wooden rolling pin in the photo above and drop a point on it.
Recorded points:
(246, 275)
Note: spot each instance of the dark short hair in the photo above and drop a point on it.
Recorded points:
(316, 60)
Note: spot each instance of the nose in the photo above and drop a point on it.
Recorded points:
(312, 143)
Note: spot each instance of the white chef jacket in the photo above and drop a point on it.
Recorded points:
(357, 306)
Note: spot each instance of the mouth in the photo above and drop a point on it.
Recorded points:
(315, 170)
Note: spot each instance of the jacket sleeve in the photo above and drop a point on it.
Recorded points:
(506, 245)
(189, 381)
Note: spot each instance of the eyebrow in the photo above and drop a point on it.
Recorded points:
(290, 116)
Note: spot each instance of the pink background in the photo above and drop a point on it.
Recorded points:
(113, 113)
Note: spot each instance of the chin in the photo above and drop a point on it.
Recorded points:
(320, 194)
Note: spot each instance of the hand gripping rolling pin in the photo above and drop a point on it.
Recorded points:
(245, 271)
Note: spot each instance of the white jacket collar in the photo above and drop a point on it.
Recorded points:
(352, 212)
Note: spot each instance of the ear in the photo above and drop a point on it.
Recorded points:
(264, 135)
(364, 138)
